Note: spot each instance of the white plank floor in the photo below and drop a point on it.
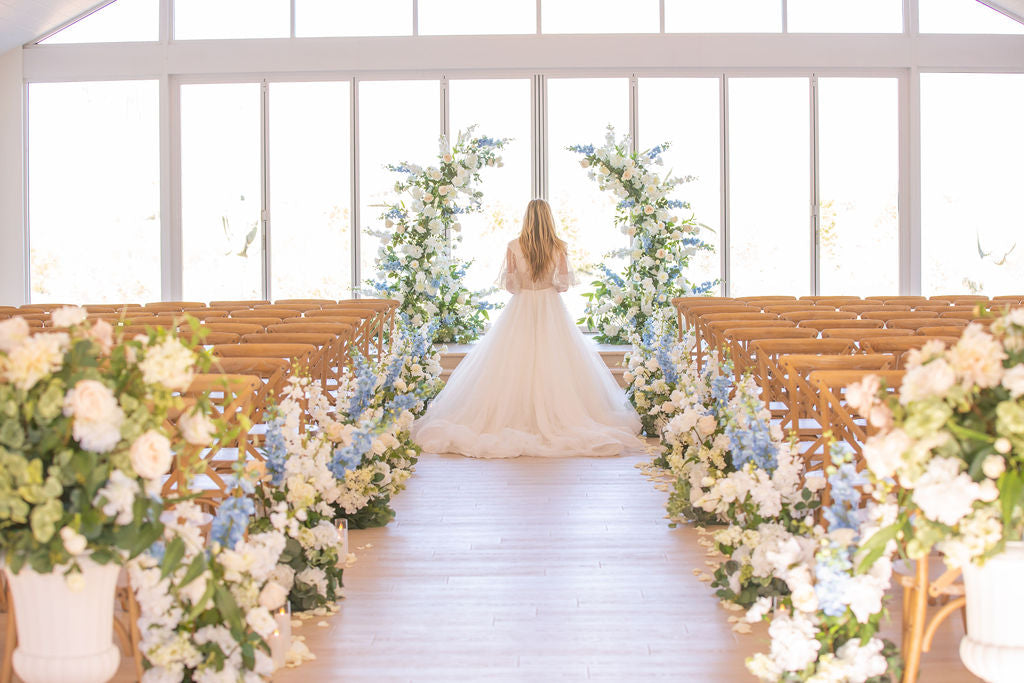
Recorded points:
(537, 570)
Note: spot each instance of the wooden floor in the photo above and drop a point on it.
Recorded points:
(537, 570)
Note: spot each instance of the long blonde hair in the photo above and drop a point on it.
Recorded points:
(540, 244)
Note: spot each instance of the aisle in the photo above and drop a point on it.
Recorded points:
(534, 570)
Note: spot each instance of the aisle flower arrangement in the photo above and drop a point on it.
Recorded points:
(661, 241)
(418, 264)
(83, 444)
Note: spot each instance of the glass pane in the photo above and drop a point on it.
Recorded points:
(468, 17)
(971, 175)
(963, 16)
(859, 165)
(310, 191)
(686, 113)
(119, 22)
(845, 16)
(579, 111)
(723, 16)
(353, 18)
(198, 19)
(599, 16)
(221, 202)
(769, 186)
(398, 121)
(94, 203)
(502, 109)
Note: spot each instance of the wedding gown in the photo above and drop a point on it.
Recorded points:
(534, 385)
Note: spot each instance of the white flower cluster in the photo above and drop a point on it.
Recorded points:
(175, 648)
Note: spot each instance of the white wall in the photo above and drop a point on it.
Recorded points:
(12, 195)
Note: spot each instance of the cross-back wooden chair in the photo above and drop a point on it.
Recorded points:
(233, 326)
(363, 319)
(172, 306)
(287, 302)
(291, 309)
(836, 323)
(1011, 298)
(812, 314)
(765, 354)
(386, 310)
(911, 325)
(899, 346)
(836, 300)
(887, 315)
(766, 297)
(344, 332)
(333, 347)
(960, 298)
(235, 304)
(806, 418)
(273, 374)
(794, 306)
(897, 298)
(738, 341)
(41, 308)
(872, 306)
(711, 332)
(965, 315)
(206, 313)
(941, 331)
(266, 313)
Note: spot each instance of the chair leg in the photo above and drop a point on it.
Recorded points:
(10, 639)
(913, 630)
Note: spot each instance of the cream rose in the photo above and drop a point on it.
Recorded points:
(12, 333)
(90, 400)
(151, 455)
(273, 596)
(197, 428)
(68, 316)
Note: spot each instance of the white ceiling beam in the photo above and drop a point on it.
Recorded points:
(1014, 9)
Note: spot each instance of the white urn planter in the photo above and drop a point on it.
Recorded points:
(63, 635)
(993, 648)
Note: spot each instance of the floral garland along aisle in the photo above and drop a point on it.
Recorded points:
(207, 605)
(943, 471)
(661, 243)
(418, 264)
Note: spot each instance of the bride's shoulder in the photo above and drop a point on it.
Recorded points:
(514, 244)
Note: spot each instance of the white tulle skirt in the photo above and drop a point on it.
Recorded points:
(533, 386)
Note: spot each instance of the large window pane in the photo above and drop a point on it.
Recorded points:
(118, 22)
(599, 16)
(199, 19)
(353, 18)
(502, 109)
(686, 113)
(723, 16)
(963, 16)
(310, 191)
(221, 197)
(769, 186)
(579, 110)
(859, 167)
(94, 182)
(398, 121)
(972, 144)
(468, 17)
(845, 16)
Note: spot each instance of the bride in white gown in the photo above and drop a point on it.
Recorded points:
(534, 385)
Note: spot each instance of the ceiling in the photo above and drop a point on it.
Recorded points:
(22, 21)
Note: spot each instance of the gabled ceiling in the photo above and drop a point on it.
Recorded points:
(24, 20)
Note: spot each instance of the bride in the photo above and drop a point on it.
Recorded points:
(534, 385)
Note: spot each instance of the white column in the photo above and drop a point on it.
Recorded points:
(13, 247)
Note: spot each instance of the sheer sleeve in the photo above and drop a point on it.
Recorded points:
(563, 278)
(508, 278)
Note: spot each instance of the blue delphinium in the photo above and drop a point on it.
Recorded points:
(349, 457)
(832, 576)
(366, 382)
(275, 453)
(582, 149)
(752, 443)
(721, 386)
(664, 356)
(231, 521)
(845, 511)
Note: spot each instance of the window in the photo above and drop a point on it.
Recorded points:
(221, 192)
(398, 121)
(845, 16)
(685, 112)
(310, 190)
(120, 21)
(769, 192)
(94, 183)
(972, 236)
(579, 110)
(502, 109)
(723, 16)
(353, 18)
(199, 19)
(599, 16)
(963, 16)
(858, 187)
(469, 17)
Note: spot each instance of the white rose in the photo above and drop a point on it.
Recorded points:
(197, 428)
(75, 582)
(261, 621)
(273, 596)
(35, 358)
(90, 400)
(1013, 380)
(12, 333)
(74, 542)
(68, 316)
(151, 455)
(706, 424)
(805, 598)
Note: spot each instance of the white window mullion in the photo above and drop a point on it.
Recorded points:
(815, 191)
(172, 262)
(539, 129)
(910, 181)
(634, 114)
(265, 185)
(723, 237)
(354, 186)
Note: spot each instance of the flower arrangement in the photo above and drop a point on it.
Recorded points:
(826, 628)
(83, 442)
(661, 243)
(417, 264)
(206, 609)
(950, 450)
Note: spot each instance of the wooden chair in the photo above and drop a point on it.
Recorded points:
(832, 300)
(897, 298)
(941, 331)
(765, 354)
(738, 340)
(232, 327)
(273, 374)
(286, 302)
(773, 297)
(898, 346)
(872, 306)
(291, 309)
(261, 320)
(807, 419)
(885, 315)
(960, 298)
(798, 316)
(41, 308)
(910, 324)
(206, 313)
(836, 323)
(950, 316)
(236, 304)
(172, 306)
(794, 307)
(1011, 298)
(344, 332)
(712, 331)
(333, 347)
(919, 590)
